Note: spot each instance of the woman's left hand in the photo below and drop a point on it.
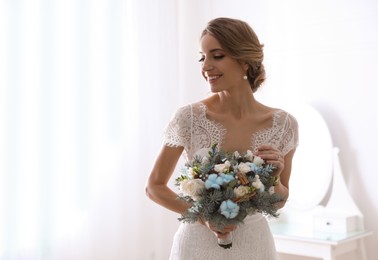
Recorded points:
(272, 156)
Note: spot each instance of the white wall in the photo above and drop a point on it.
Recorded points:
(322, 52)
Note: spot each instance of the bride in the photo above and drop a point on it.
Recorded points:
(231, 58)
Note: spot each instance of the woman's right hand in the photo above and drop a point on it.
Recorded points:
(223, 233)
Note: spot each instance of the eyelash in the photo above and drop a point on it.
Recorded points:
(216, 57)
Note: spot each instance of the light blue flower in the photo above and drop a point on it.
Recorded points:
(229, 209)
(255, 168)
(214, 181)
(226, 177)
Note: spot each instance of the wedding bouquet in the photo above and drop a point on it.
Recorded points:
(224, 188)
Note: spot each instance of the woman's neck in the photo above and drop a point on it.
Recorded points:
(238, 104)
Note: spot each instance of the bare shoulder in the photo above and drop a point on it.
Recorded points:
(267, 111)
(210, 103)
(275, 111)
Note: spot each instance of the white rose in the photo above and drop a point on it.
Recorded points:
(271, 190)
(222, 167)
(241, 191)
(257, 183)
(244, 167)
(236, 154)
(249, 155)
(193, 188)
(258, 161)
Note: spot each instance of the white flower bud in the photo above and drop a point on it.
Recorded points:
(241, 191)
(222, 167)
(244, 167)
(257, 183)
(258, 161)
(249, 155)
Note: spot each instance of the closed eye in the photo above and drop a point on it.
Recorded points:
(218, 57)
(215, 57)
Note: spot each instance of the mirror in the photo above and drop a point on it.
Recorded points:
(312, 164)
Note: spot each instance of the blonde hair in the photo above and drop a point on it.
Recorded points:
(240, 42)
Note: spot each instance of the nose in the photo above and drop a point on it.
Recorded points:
(206, 65)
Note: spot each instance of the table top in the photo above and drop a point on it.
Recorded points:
(307, 234)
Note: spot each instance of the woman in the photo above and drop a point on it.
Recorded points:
(231, 57)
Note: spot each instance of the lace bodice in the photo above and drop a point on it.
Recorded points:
(191, 129)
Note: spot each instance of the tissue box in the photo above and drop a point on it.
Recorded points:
(335, 223)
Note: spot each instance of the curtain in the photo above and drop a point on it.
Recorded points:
(84, 87)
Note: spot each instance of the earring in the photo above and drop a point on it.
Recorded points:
(245, 77)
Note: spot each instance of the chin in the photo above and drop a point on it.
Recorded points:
(214, 89)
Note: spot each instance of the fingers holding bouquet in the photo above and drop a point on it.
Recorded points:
(273, 156)
(220, 233)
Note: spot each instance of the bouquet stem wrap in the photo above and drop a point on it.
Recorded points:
(225, 242)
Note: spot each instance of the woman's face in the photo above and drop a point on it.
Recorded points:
(220, 70)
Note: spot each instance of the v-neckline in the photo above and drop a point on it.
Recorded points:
(224, 130)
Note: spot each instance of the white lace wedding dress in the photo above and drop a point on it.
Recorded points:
(252, 240)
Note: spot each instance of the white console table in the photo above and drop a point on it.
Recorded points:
(303, 228)
(302, 241)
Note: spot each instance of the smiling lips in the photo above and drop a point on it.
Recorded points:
(213, 78)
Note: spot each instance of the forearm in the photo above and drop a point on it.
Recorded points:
(157, 189)
(165, 197)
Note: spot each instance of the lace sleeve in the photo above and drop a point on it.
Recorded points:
(178, 131)
(290, 136)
